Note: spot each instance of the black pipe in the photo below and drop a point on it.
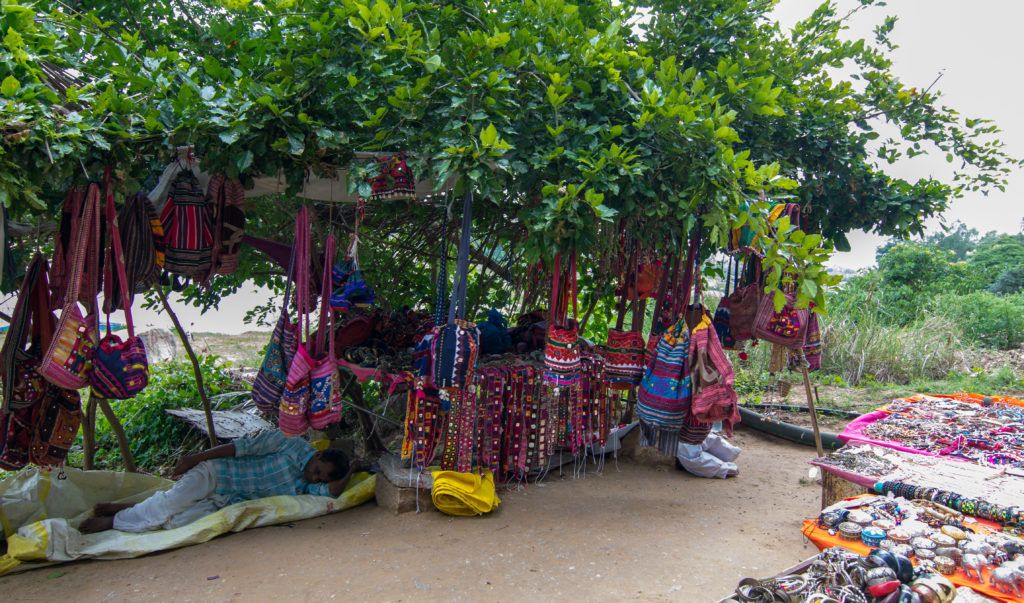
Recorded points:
(832, 412)
(787, 431)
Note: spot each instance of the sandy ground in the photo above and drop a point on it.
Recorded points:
(633, 532)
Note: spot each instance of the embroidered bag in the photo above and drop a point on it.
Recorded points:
(68, 358)
(812, 343)
(292, 415)
(31, 329)
(744, 302)
(16, 436)
(712, 378)
(55, 423)
(624, 351)
(456, 344)
(63, 245)
(664, 393)
(268, 387)
(662, 311)
(561, 347)
(226, 197)
(135, 223)
(120, 369)
(325, 394)
(786, 327)
(723, 315)
(188, 229)
(394, 180)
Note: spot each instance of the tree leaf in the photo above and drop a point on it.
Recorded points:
(9, 86)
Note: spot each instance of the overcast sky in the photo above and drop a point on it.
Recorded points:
(978, 47)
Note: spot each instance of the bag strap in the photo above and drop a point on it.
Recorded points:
(442, 268)
(683, 299)
(81, 245)
(325, 328)
(41, 316)
(302, 258)
(457, 303)
(115, 259)
(218, 185)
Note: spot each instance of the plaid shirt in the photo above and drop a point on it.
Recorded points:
(268, 464)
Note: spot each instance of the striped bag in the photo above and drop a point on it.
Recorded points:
(664, 395)
(142, 259)
(561, 347)
(226, 198)
(188, 229)
(292, 414)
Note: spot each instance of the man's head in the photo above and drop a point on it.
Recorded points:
(326, 466)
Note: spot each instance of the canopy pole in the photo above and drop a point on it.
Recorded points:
(89, 434)
(211, 431)
(813, 411)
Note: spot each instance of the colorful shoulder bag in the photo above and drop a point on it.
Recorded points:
(68, 359)
(624, 351)
(456, 344)
(226, 197)
(120, 369)
(268, 387)
(292, 416)
(55, 424)
(188, 228)
(142, 260)
(786, 327)
(561, 347)
(712, 377)
(325, 394)
(31, 329)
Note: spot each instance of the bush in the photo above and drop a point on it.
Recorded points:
(985, 318)
(1009, 282)
(156, 438)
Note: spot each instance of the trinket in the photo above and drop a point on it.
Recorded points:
(950, 552)
(885, 524)
(849, 531)
(872, 536)
(904, 550)
(899, 536)
(886, 544)
(941, 539)
(945, 565)
(861, 518)
(922, 543)
(954, 532)
(924, 554)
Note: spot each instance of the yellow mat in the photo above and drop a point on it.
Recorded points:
(38, 513)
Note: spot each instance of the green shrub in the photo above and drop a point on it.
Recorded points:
(1010, 281)
(985, 318)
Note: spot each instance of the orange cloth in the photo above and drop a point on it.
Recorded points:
(823, 540)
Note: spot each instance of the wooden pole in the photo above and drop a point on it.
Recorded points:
(207, 408)
(122, 440)
(89, 434)
(814, 413)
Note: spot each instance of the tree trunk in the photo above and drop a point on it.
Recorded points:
(207, 408)
(122, 440)
(89, 435)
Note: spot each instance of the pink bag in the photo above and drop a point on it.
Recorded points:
(325, 393)
(712, 378)
(786, 327)
(292, 415)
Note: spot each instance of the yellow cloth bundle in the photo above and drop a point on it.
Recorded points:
(464, 494)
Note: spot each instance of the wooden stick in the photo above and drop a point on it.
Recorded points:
(207, 408)
(122, 440)
(89, 435)
(814, 413)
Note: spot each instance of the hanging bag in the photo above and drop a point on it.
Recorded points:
(188, 228)
(68, 359)
(120, 369)
(812, 343)
(786, 327)
(31, 329)
(63, 245)
(712, 379)
(561, 346)
(325, 397)
(624, 351)
(723, 314)
(55, 424)
(226, 198)
(744, 302)
(268, 386)
(135, 224)
(456, 344)
(294, 403)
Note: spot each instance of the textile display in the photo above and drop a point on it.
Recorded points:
(663, 397)
(39, 513)
(464, 494)
(712, 378)
(962, 426)
(268, 387)
(188, 229)
(821, 538)
(561, 345)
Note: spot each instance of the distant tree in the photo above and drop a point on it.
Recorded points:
(1010, 281)
(957, 238)
(996, 254)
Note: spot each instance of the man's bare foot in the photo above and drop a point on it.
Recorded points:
(96, 524)
(109, 509)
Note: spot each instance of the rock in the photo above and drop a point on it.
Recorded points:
(161, 345)
(400, 500)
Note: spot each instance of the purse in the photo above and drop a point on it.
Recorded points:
(60, 266)
(456, 344)
(292, 415)
(188, 229)
(268, 387)
(744, 303)
(325, 393)
(624, 351)
(120, 369)
(226, 198)
(68, 359)
(55, 424)
(561, 346)
(664, 392)
(723, 314)
(786, 327)
(16, 436)
(31, 329)
(714, 397)
(142, 259)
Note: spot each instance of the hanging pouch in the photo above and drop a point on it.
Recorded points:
(68, 359)
(294, 403)
(624, 351)
(120, 368)
(268, 387)
(786, 327)
(325, 396)
(456, 344)
(561, 346)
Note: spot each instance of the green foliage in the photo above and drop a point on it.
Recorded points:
(156, 438)
(990, 320)
(957, 239)
(996, 254)
(1009, 281)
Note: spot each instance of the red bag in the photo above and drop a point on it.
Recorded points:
(561, 348)
(787, 327)
(354, 332)
(712, 379)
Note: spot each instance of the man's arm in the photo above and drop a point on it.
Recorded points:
(189, 461)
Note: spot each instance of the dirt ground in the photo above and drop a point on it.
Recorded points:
(633, 532)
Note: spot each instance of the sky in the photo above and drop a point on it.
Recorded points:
(977, 46)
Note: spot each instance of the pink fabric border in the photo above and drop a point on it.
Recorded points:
(854, 432)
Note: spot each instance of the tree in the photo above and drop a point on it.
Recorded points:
(958, 239)
(565, 117)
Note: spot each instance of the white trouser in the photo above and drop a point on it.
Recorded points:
(713, 458)
(189, 498)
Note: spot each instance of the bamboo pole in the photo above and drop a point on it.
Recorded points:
(813, 411)
(207, 408)
(122, 440)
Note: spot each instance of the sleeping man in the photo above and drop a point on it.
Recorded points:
(268, 464)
